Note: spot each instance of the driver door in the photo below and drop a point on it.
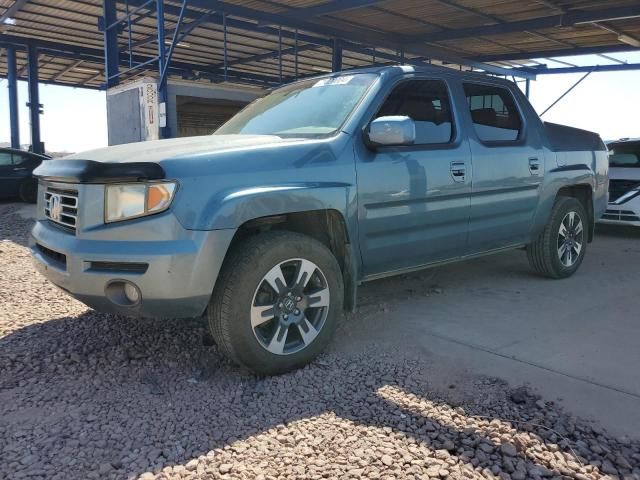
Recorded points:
(414, 201)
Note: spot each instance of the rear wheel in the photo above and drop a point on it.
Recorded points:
(560, 248)
(276, 302)
(29, 191)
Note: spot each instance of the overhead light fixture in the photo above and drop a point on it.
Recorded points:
(9, 21)
(179, 44)
(86, 70)
(629, 40)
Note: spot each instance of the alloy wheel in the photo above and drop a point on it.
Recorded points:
(290, 306)
(570, 239)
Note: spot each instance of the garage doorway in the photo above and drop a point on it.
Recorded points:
(202, 116)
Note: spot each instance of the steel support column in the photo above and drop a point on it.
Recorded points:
(336, 55)
(162, 60)
(111, 54)
(34, 99)
(13, 97)
(527, 87)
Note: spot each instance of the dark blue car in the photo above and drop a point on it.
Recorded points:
(16, 179)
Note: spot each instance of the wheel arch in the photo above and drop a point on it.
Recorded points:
(328, 226)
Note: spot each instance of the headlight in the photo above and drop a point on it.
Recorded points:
(137, 199)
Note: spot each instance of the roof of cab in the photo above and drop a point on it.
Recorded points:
(398, 70)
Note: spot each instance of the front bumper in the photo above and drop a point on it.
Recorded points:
(627, 213)
(175, 269)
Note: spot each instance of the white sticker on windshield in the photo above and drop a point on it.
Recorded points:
(341, 80)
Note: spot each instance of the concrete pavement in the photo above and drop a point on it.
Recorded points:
(575, 341)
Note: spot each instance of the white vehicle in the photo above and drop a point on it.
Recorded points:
(624, 183)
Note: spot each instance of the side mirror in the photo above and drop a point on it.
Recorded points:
(390, 131)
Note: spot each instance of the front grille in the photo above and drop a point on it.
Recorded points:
(617, 188)
(621, 215)
(61, 207)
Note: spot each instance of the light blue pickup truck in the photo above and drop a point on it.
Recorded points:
(268, 226)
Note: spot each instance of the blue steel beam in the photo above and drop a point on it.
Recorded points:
(174, 41)
(335, 6)
(34, 99)
(95, 55)
(360, 35)
(270, 55)
(567, 92)
(129, 15)
(582, 69)
(11, 11)
(111, 53)
(59, 84)
(553, 21)
(66, 70)
(189, 27)
(12, 76)
(163, 63)
(61, 49)
(238, 24)
(564, 52)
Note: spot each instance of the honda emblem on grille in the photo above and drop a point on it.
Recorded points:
(55, 207)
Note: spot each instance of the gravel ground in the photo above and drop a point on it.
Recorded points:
(89, 395)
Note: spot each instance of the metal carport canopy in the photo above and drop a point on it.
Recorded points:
(100, 43)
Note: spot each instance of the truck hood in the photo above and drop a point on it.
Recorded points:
(157, 150)
(146, 160)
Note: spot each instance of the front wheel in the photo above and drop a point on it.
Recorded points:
(560, 248)
(276, 302)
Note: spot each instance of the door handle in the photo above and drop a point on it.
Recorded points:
(458, 171)
(18, 169)
(534, 166)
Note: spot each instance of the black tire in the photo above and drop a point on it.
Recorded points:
(242, 280)
(29, 191)
(544, 253)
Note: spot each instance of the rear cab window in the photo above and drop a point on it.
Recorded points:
(624, 154)
(427, 103)
(494, 113)
(18, 159)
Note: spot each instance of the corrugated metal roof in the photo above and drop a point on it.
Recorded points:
(200, 55)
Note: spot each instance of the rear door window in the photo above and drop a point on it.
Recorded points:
(5, 159)
(493, 112)
(427, 103)
(18, 159)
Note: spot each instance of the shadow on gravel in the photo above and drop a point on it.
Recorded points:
(98, 396)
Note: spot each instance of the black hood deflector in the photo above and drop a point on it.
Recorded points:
(89, 171)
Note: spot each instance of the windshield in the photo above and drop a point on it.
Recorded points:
(625, 155)
(309, 108)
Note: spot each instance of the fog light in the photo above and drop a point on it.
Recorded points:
(123, 293)
(132, 293)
